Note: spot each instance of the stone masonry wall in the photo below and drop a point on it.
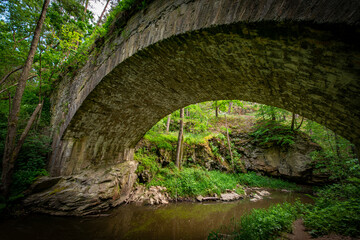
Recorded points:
(303, 56)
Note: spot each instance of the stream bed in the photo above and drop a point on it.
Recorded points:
(184, 220)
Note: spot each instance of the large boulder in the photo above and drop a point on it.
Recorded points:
(90, 192)
(293, 162)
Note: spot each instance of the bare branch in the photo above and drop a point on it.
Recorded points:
(8, 75)
(4, 90)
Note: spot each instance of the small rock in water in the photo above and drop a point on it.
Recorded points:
(285, 190)
(256, 197)
(229, 196)
(263, 193)
(199, 198)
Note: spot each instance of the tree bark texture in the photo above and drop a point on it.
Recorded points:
(293, 122)
(302, 120)
(216, 109)
(8, 159)
(229, 143)
(168, 123)
(230, 106)
(181, 129)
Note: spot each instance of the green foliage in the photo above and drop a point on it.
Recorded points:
(196, 181)
(34, 152)
(147, 161)
(31, 162)
(336, 209)
(122, 6)
(266, 112)
(262, 224)
(337, 157)
(165, 141)
(270, 132)
(338, 168)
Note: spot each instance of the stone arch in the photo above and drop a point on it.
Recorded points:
(278, 53)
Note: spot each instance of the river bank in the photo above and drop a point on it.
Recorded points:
(186, 220)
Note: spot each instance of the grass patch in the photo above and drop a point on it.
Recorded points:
(165, 141)
(169, 140)
(195, 181)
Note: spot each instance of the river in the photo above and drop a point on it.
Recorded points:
(172, 221)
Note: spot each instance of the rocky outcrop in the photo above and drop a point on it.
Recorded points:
(293, 163)
(197, 154)
(90, 192)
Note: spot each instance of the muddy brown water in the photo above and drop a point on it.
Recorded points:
(172, 221)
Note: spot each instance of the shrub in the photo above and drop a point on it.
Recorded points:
(196, 181)
(31, 162)
(264, 223)
(271, 132)
(336, 209)
(146, 162)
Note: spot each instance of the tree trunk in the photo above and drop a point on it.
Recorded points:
(302, 120)
(9, 159)
(181, 129)
(168, 123)
(27, 129)
(337, 147)
(273, 117)
(103, 12)
(216, 109)
(86, 5)
(181, 150)
(8, 167)
(293, 121)
(229, 143)
(230, 106)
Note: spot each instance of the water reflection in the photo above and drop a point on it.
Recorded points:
(173, 221)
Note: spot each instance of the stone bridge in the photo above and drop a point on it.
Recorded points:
(300, 55)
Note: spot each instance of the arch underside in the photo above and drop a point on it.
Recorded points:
(311, 69)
